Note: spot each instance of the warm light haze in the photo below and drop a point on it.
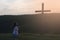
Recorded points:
(12, 7)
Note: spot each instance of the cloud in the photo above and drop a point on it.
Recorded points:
(20, 6)
(17, 6)
(7, 1)
(10, 1)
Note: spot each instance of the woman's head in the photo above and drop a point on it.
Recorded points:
(15, 24)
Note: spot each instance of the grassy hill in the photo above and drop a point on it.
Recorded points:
(35, 23)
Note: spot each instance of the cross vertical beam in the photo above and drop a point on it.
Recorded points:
(42, 10)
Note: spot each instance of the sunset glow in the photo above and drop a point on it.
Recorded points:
(27, 6)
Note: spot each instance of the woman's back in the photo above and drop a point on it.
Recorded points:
(15, 30)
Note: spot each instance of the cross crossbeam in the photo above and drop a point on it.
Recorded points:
(42, 10)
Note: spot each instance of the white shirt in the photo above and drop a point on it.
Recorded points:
(15, 30)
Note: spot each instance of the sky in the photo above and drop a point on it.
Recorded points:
(18, 7)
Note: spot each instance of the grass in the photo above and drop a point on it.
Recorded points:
(31, 36)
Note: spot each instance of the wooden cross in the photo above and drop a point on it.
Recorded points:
(42, 10)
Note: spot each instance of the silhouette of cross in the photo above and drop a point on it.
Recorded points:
(42, 10)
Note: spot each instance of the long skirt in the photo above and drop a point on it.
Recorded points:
(15, 36)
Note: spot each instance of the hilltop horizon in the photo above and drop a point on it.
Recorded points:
(28, 14)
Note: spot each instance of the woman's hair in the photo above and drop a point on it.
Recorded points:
(15, 24)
